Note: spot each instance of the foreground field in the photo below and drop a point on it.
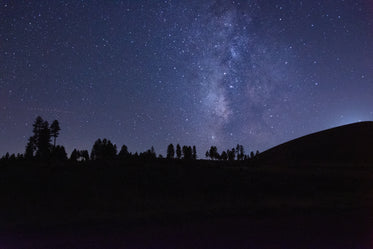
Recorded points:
(176, 203)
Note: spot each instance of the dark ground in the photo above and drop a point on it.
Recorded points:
(201, 204)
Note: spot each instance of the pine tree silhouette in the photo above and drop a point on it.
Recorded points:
(194, 153)
(187, 153)
(123, 153)
(55, 131)
(224, 156)
(74, 155)
(30, 148)
(178, 151)
(213, 153)
(170, 151)
(38, 145)
(103, 150)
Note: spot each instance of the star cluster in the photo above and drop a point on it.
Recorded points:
(202, 73)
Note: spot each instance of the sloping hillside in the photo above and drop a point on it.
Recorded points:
(352, 143)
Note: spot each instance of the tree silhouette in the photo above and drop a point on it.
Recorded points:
(224, 156)
(103, 150)
(59, 153)
(39, 144)
(187, 153)
(123, 153)
(43, 142)
(170, 151)
(178, 151)
(231, 154)
(240, 152)
(39, 147)
(30, 148)
(148, 155)
(234, 153)
(97, 150)
(194, 153)
(55, 131)
(237, 150)
(32, 144)
(135, 156)
(74, 155)
(40, 141)
(19, 156)
(84, 155)
(79, 155)
(213, 153)
(37, 125)
(252, 155)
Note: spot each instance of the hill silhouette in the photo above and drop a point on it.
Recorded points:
(352, 143)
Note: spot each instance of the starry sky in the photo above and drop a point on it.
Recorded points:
(202, 73)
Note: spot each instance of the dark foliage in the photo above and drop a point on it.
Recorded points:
(231, 154)
(30, 148)
(39, 144)
(187, 153)
(42, 136)
(224, 156)
(103, 150)
(148, 155)
(55, 131)
(194, 153)
(59, 153)
(170, 151)
(252, 155)
(240, 152)
(79, 156)
(213, 153)
(178, 151)
(123, 153)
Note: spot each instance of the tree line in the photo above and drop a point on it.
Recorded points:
(231, 155)
(41, 146)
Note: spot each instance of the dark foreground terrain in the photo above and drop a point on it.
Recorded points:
(202, 204)
(351, 143)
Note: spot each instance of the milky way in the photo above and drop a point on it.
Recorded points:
(241, 70)
(202, 73)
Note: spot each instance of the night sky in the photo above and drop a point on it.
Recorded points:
(202, 73)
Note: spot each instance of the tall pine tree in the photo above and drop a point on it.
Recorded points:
(55, 131)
